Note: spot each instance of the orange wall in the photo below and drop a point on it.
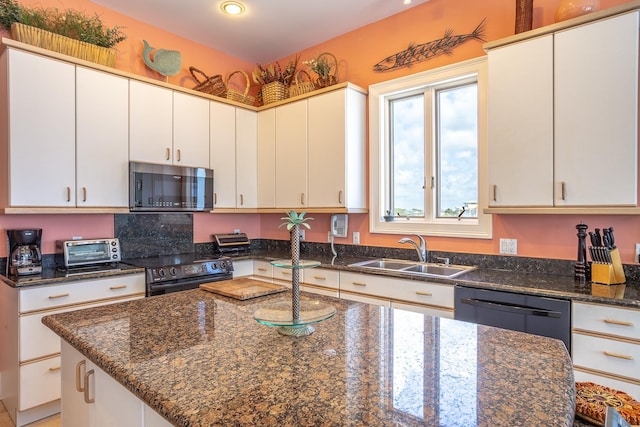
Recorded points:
(550, 236)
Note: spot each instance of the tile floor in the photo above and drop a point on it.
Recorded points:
(5, 420)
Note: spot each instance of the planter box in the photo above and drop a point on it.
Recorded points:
(61, 44)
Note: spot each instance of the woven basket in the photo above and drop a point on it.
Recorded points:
(300, 87)
(241, 97)
(213, 85)
(274, 91)
(331, 79)
(61, 44)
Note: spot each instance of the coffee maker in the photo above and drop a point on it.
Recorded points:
(24, 256)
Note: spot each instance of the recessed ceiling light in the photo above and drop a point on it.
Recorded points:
(407, 2)
(232, 8)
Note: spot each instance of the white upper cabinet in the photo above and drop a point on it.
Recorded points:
(291, 155)
(102, 144)
(150, 123)
(223, 154)
(336, 150)
(596, 113)
(190, 130)
(266, 174)
(563, 113)
(246, 158)
(40, 138)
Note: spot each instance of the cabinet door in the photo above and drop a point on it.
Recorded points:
(267, 158)
(291, 155)
(520, 103)
(114, 405)
(190, 130)
(246, 158)
(102, 145)
(596, 113)
(42, 160)
(223, 154)
(75, 412)
(150, 123)
(327, 149)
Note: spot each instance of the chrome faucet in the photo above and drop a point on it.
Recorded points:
(421, 250)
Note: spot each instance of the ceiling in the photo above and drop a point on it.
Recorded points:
(269, 29)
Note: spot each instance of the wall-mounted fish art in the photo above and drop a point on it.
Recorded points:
(422, 52)
(165, 62)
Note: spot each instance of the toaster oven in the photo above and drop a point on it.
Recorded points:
(79, 253)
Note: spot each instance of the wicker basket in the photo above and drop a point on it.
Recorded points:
(213, 85)
(274, 91)
(300, 87)
(61, 44)
(331, 79)
(234, 95)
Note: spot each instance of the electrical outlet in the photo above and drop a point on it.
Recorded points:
(637, 252)
(509, 246)
(356, 237)
(302, 235)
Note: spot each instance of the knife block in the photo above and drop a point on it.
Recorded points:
(609, 274)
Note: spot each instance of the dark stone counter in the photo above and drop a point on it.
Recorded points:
(202, 360)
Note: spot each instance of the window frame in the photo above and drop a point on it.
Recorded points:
(379, 152)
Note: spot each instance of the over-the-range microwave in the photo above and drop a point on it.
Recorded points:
(154, 187)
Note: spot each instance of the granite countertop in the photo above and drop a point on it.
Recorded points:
(533, 283)
(55, 276)
(206, 361)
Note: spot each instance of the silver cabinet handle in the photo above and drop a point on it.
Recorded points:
(424, 294)
(562, 190)
(68, 194)
(87, 399)
(84, 194)
(58, 296)
(340, 197)
(215, 198)
(179, 155)
(241, 200)
(302, 198)
(79, 385)
(619, 356)
(168, 153)
(495, 193)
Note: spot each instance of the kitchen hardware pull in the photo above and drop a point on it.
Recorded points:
(80, 364)
(511, 308)
(619, 356)
(179, 154)
(84, 194)
(319, 277)
(241, 200)
(359, 284)
(286, 273)
(55, 368)
(495, 193)
(58, 296)
(302, 198)
(424, 294)
(68, 194)
(215, 198)
(87, 399)
(113, 288)
(618, 322)
(340, 197)
(562, 190)
(262, 269)
(168, 153)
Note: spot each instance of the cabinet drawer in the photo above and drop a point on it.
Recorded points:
(398, 289)
(424, 309)
(283, 275)
(263, 269)
(365, 299)
(622, 322)
(79, 292)
(322, 277)
(39, 383)
(612, 356)
(320, 291)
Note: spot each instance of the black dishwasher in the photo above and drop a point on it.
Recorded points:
(549, 317)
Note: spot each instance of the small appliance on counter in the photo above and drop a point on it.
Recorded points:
(83, 255)
(24, 253)
(232, 244)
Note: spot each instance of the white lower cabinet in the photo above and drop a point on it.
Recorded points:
(30, 356)
(605, 345)
(91, 398)
(322, 281)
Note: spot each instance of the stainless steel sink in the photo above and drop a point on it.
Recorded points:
(421, 269)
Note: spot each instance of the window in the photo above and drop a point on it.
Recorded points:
(428, 153)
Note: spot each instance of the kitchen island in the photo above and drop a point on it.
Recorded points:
(199, 359)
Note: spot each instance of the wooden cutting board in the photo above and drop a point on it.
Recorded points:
(243, 288)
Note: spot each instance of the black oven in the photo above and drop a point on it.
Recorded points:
(175, 273)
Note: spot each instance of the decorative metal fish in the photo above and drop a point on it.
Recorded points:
(422, 52)
(165, 62)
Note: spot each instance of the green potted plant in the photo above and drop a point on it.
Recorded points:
(322, 66)
(65, 31)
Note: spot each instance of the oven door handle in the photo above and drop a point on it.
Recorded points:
(511, 308)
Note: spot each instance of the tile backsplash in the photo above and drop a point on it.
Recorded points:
(151, 234)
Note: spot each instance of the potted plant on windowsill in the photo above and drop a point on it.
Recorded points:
(64, 31)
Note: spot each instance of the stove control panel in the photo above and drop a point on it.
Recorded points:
(202, 268)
